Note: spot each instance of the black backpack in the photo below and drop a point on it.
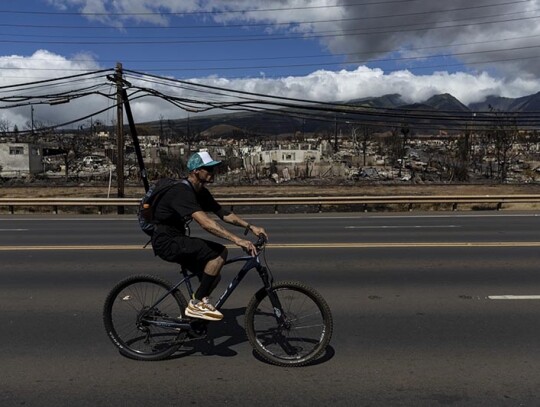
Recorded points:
(149, 202)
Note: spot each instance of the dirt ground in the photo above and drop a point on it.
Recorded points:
(279, 190)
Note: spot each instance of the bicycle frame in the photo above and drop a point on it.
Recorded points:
(250, 263)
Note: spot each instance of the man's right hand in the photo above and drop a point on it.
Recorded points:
(247, 246)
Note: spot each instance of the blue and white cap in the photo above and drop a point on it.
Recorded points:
(201, 159)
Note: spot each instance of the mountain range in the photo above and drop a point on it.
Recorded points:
(447, 102)
(442, 111)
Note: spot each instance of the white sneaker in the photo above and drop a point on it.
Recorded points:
(203, 310)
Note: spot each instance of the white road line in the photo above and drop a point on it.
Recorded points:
(352, 215)
(417, 245)
(14, 230)
(514, 297)
(403, 227)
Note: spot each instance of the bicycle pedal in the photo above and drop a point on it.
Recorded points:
(192, 336)
(198, 326)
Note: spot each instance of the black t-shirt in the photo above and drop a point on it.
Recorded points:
(178, 204)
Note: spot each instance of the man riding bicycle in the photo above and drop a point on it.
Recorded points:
(176, 208)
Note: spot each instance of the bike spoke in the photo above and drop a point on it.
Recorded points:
(133, 307)
(297, 332)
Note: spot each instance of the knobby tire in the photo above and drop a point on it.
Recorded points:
(307, 329)
(132, 298)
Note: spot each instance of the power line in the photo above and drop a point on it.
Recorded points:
(18, 85)
(298, 56)
(349, 62)
(381, 118)
(392, 70)
(295, 23)
(232, 39)
(212, 12)
(411, 69)
(60, 125)
(285, 101)
(389, 70)
(303, 108)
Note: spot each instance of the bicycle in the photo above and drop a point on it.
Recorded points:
(287, 323)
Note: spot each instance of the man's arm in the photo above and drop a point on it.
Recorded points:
(236, 220)
(211, 226)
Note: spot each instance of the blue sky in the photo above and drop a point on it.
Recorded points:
(185, 45)
(325, 50)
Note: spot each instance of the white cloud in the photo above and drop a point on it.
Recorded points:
(395, 22)
(365, 82)
(375, 29)
(319, 86)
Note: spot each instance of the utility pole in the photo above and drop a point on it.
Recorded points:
(336, 148)
(119, 135)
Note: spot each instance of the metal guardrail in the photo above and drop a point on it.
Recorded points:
(320, 202)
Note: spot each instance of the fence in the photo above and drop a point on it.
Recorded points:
(320, 202)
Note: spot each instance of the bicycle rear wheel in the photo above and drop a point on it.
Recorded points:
(294, 335)
(128, 308)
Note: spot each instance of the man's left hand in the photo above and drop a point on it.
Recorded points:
(257, 231)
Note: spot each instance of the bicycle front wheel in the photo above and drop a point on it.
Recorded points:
(296, 332)
(129, 308)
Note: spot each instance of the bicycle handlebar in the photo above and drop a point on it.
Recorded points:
(261, 241)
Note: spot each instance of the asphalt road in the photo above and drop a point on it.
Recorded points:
(418, 315)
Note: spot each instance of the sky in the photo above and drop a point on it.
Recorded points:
(322, 50)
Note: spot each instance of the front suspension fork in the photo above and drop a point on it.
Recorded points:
(268, 282)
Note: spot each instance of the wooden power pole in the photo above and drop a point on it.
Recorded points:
(119, 135)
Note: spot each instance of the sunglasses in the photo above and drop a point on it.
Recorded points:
(208, 169)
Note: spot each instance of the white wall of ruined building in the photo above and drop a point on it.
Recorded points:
(20, 159)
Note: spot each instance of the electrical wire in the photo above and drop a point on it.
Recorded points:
(417, 68)
(212, 12)
(252, 58)
(290, 23)
(349, 62)
(382, 116)
(214, 97)
(56, 126)
(267, 37)
(46, 81)
(247, 38)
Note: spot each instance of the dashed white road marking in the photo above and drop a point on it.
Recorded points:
(514, 297)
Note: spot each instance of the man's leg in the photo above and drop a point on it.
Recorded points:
(210, 276)
(199, 307)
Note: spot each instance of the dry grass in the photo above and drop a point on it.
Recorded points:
(282, 190)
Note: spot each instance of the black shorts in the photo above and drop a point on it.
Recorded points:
(191, 252)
